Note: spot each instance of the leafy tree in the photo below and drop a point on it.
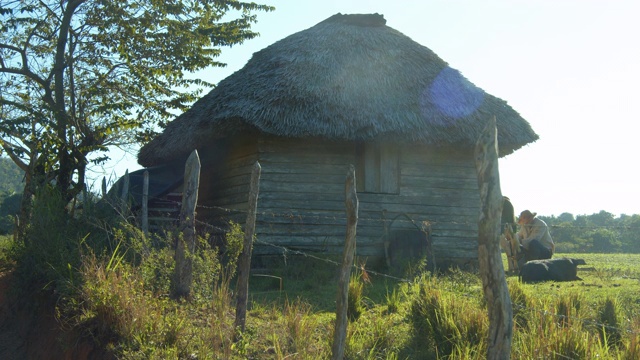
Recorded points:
(566, 217)
(630, 236)
(600, 232)
(604, 240)
(602, 218)
(77, 76)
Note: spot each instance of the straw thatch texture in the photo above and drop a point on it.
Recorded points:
(350, 77)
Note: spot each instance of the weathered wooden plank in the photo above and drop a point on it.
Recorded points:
(240, 160)
(296, 187)
(317, 146)
(304, 178)
(434, 206)
(242, 170)
(313, 241)
(430, 155)
(371, 164)
(389, 169)
(329, 251)
(446, 171)
(290, 201)
(466, 194)
(300, 157)
(432, 183)
(301, 168)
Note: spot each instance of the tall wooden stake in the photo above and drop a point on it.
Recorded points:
(104, 186)
(244, 262)
(145, 203)
(351, 203)
(124, 196)
(186, 244)
(494, 282)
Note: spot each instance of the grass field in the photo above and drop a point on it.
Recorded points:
(292, 310)
(615, 275)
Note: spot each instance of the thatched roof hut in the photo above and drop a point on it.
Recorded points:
(350, 77)
(349, 90)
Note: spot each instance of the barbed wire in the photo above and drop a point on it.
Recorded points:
(544, 312)
(285, 251)
(302, 215)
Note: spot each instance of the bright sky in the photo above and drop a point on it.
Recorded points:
(569, 67)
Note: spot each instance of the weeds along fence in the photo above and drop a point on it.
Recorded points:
(330, 262)
(190, 197)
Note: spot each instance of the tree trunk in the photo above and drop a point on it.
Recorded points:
(490, 260)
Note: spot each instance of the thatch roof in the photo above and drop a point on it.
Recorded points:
(350, 77)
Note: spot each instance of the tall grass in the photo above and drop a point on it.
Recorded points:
(447, 321)
(435, 317)
(117, 283)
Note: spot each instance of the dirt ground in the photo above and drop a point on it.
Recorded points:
(36, 334)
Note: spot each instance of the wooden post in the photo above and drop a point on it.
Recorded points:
(145, 203)
(186, 243)
(494, 282)
(429, 254)
(124, 196)
(351, 203)
(244, 262)
(104, 186)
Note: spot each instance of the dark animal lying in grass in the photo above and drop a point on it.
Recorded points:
(564, 269)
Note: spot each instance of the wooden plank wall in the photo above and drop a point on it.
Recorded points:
(301, 201)
(224, 188)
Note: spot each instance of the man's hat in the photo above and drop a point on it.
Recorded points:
(527, 215)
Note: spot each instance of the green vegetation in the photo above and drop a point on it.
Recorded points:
(5, 245)
(113, 284)
(11, 186)
(596, 233)
(11, 177)
(77, 77)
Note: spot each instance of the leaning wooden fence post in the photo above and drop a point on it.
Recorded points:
(186, 243)
(494, 282)
(351, 202)
(244, 262)
(145, 203)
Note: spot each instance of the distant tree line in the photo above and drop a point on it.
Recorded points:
(596, 233)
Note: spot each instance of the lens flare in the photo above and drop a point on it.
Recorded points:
(449, 98)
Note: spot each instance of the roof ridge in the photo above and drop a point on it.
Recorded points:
(372, 20)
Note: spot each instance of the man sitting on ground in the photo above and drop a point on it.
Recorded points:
(535, 240)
